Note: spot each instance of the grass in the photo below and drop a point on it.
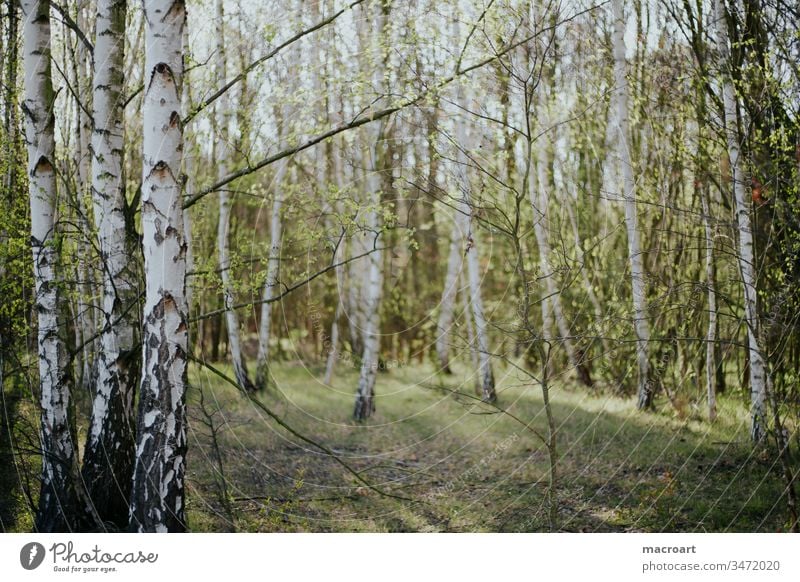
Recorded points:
(463, 466)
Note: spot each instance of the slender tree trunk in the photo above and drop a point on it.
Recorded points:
(540, 191)
(333, 350)
(471, 341)
(341, 252)
(464, 218)
(448, 302)
(58, 500)
(357, 269)
(711, 333)
(189, 172)
(372, 291)
(758, 370)
(271, 284)
(373, 286)
(584, 267)
(157, 498)
(86, 308)
(373, 283)
(108, 459)
(640, 322)
(539, 199)
(223, 230)
(355, 306)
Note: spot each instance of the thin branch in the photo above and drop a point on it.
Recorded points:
(247, 70)
(288, 290)
(67, 20)
(266, 410)
(375, 116)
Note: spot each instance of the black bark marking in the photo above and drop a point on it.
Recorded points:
(42, 165)
(149, 509)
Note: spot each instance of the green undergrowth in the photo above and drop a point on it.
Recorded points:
(436, 459)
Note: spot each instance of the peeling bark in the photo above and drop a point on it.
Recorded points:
(108, 458)
(372, 289)
(157, 497)
(58, 500)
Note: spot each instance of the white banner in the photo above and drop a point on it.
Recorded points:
(401, 557)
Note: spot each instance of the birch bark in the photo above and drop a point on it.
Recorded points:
(157, 497)
(189, 187)
(373, 283)
(86, 314)
(108, 457)
(464, 211)
(447, 304)
(640, 322)
(759, 379)
(58, 500)
(271, 284)
(223, 230)
(711, 333)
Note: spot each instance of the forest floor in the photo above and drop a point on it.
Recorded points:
(463, 466)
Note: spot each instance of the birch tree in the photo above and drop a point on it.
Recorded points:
(108, 458)
(58, 499)
(759, 379)
(189, 171)
(620, 102)
(271, 289)
(157, 497)
(711, 330)
(447, 305)
(539, 193)
(86, 328)
(373, 281)
(470, 248)
(223, 229)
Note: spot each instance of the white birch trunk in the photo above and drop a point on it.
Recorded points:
(189, 172)
(373, 283)
(341, 252)
(469, 324)
(333, 349)
(464, 211)
(539, 199)
(464, 218)
(759, 380)
(373, 287)
(587, 283)
(57, 501)
(357, 269)
(447, 305)
(535, 189)
(86, 303)
(157, 498)
(711, 333)
(223, 228)
(332, 65)
(640, 322)
(271, 289)
(108, 459)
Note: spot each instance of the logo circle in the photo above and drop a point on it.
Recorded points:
(31, 555)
